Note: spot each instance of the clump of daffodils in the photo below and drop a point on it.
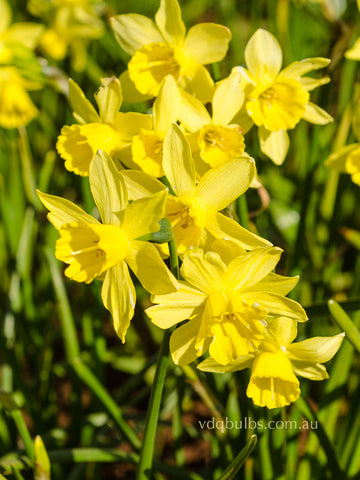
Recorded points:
(186, 162)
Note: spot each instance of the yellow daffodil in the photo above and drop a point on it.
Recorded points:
(229, 295)
(147, 146)
(216, 139)
(110, 130)
(354, 52)
(277, 361)
(16, 106)
(194, 209)
(105, 250)
(163, 48)
(72, 23)
(347, 160)
(23, 34)
(276, 100)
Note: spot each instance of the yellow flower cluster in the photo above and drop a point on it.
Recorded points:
(187, 165)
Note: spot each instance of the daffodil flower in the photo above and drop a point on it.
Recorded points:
(71, 24)
(194, 209)
(105, 250)
(354, 52)
(16, 106)
(276, 100)
(346, 160)
(216, 139)
(163, 48)
(110, 131)
(25, 34)
(273, 382)
(230, 296)
(147, 146)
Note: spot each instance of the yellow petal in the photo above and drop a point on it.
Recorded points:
(211, 365)
(317, 115)
(310, 370)
(168, 19)
(276, 304)
(311, 83)
(354, 52)
(203, 271)
(248, 269)
(224, 227)
(145, 261)
(337, 160)
(5, 18)
(223, 184)
(272, 382)
(274, 144)
(207, 42)
(119, 297)
(282, 330)
(140, 184)
(263, 55)
(28, 34)
(274, 283)
(83, 110)
(130, 92)
(63, 211)
(132, 31)
(227, 249)
(316, 349)
(228, 100)
(108, 188)
(182, 343)
(175, 307)
(130, 123)
(109, 99)
(178, 163)
(198, 82)
(143, 215)
(166, 106)
(193, 114)
(299, 68)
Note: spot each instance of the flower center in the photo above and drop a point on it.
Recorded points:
(278, 106)
(90, 249)
(147, 151)
(150, 64)
(219, 144)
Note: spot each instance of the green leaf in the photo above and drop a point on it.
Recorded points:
(345, 323)
(239, 460)
(163, 235)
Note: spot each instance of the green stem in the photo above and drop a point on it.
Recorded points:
(239, 460)
(242, 211)
(24, 433)
(28, 169)
(152, 416)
